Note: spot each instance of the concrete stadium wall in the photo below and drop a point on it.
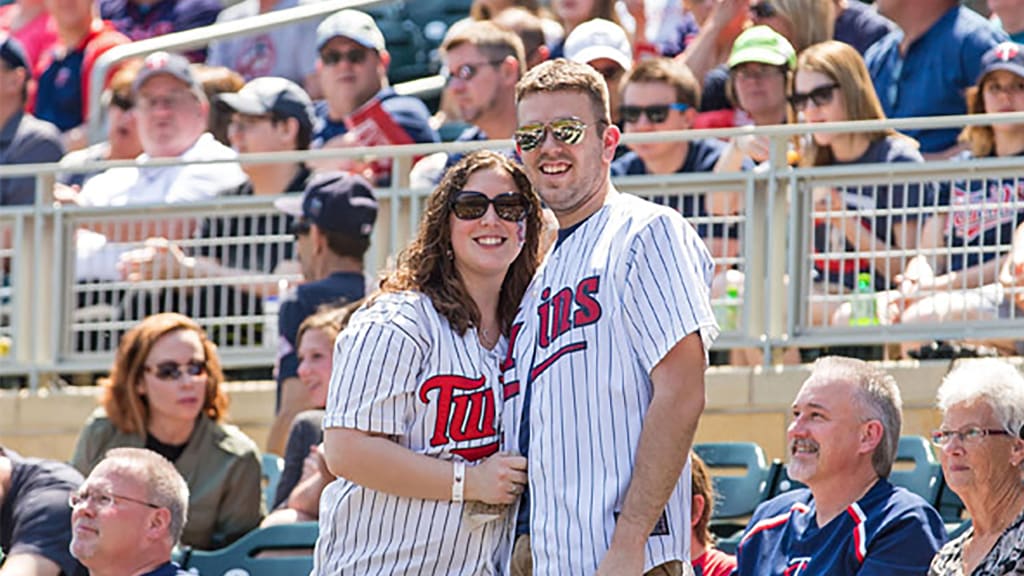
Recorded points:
(743, 405)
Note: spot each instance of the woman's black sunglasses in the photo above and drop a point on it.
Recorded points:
(470, 205)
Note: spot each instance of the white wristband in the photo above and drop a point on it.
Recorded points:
(458, 481)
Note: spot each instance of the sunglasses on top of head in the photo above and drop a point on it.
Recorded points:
(567, 130)
(821, 96)
(471, 205)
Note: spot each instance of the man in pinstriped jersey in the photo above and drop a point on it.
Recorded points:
(605, 375)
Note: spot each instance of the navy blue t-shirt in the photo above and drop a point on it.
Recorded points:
(59, 94)
(870, 197)
(339, 288)
(701, 156)
(888, 532)
(34, 513)
(930, 79)
(978, 220)
(860, 26)
(139, 21)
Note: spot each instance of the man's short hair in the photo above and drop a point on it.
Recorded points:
(667, 71)
(525, 24)
(563, 75)
(346, 244)
(495, 43)
(164, 485)
(879, 399)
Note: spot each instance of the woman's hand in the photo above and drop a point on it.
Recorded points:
(500, 479)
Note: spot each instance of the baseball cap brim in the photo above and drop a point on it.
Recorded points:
(591, 53)
(243, 104)
(759, 55)
(290, 204)
(1011, 67)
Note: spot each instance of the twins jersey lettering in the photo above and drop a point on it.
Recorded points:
(609, 302)
(401, 370)
(888, 532)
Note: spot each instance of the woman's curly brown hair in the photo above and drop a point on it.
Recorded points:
(425, 265)
(128, 410)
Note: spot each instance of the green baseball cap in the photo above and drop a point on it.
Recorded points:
(763, 45)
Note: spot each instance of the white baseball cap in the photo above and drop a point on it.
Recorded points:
(352, 24)
(599, 38)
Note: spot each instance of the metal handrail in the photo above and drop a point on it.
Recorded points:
(771, 191)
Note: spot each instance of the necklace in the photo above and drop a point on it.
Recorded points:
(486, 339)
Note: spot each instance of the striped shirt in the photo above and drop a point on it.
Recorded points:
(401, 370)
(610, 301)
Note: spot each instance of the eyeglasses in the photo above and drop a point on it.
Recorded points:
(567, 130)
(466, 72)
(471, 205)
(353, 56)
(969, 435)
(1012, 89)
(301, 228)
(103, 499)
(656, 113)
(169, 371)
(762, 10)
(755, 72)
(172, 101)
(821, 96)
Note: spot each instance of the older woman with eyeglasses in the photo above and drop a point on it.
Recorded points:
(164, 394)
(413, 419)
(982, 451)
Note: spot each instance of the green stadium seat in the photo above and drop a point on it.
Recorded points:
(271, 551)
(739, 473)
(924, 473)
(272, 466)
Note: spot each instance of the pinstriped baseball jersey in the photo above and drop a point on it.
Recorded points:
(606, 306)
(401, 370)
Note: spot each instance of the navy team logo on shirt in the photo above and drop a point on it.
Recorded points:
(978, 209)
(465, 413)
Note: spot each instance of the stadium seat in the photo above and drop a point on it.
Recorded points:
(271, 475)
(738, 494)
(924, 473)
(779, 480)
(271, 551)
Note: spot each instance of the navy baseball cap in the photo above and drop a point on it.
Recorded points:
(336, 202)
(168, 63)
(272, 95)
(1007, 56)
(13, 53)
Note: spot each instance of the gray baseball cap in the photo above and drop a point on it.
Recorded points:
(352, 24)
(272, 95)
(168, 63)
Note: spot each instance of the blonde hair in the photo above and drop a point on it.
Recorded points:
(812, 21)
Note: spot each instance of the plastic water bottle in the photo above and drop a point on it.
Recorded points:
(862, 304)
(727, 312)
